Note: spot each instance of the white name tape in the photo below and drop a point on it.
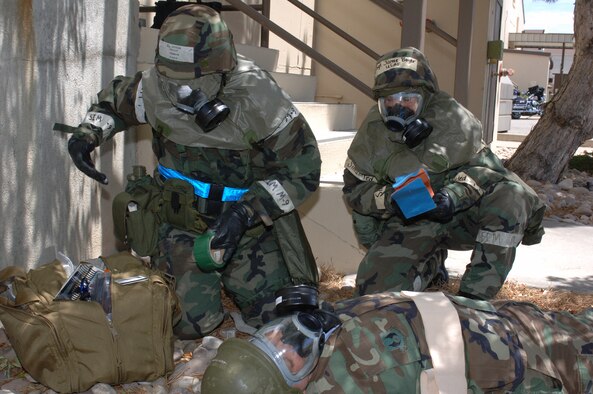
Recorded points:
(176, 53)
(380, 197)
(498, 238)
(139, 105)
(279, 194)
(462, 177)
(292, 113)
(102, 121)
(397, 62)
(349, 165)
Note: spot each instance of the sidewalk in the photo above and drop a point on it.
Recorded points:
(563, 260)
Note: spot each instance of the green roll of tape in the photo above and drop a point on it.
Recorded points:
(206, 258)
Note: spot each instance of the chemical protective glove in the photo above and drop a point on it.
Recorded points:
(230, 226)
(80, 147)
(443, 213)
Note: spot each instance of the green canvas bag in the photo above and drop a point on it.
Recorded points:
(136, 213)
(71, 345)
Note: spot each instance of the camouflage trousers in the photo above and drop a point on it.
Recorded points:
(256, 271)
(401, 258)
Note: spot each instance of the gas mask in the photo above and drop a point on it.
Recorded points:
(400, 113)
(295, 340)
(197, 97)
(294, 343)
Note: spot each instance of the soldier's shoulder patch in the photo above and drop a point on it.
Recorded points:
(393, 340)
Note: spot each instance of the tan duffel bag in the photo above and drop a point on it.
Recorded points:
(70, 345)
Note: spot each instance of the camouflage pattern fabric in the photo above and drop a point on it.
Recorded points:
(494, 210)
(510, 347)
(264, 145)
(256, 272)
(400, 259)
(194, 41)
(401, 69)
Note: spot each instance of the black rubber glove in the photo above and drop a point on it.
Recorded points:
(444, 210)
(230, 226)
(80, 148)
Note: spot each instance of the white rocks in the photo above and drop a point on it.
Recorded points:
(565, 184)
(102, 388)
(211, 343)
(570, 199)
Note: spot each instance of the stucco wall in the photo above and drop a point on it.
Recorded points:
(55, 57)
(381, 32)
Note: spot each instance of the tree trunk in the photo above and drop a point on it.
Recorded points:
(567, 121)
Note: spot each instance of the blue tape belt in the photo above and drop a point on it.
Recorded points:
(202, 189)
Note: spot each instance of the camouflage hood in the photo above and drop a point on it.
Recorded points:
(194, 41)
(403, 69)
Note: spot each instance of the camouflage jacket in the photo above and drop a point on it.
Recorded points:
(265, 145)
(509, 346)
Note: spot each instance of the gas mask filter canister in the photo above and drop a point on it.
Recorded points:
(195, 100)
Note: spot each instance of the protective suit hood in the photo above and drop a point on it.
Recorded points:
(456, 138)
(247, 91)
(194, 41)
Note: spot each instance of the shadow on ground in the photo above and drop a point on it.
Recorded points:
(580, 285)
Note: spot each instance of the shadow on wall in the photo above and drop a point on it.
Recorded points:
(49, 59)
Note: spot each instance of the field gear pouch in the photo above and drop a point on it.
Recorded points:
(70, 346)
(136, 214)
(178, 206)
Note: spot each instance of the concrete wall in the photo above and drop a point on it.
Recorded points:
(561, 61)
(299, 25)
(530, 67)
(55, 57)
(513, 19)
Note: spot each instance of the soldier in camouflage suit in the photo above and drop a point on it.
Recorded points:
(477, 204)
(234, 156)
(381, 347)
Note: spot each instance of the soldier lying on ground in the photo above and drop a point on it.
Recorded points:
(411, 343)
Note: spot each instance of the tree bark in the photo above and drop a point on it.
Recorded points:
(567, 121)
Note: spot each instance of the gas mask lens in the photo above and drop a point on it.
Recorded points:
(194, 100)
(400, 109)
(293, 343)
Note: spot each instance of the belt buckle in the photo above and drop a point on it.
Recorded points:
(210, 207)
